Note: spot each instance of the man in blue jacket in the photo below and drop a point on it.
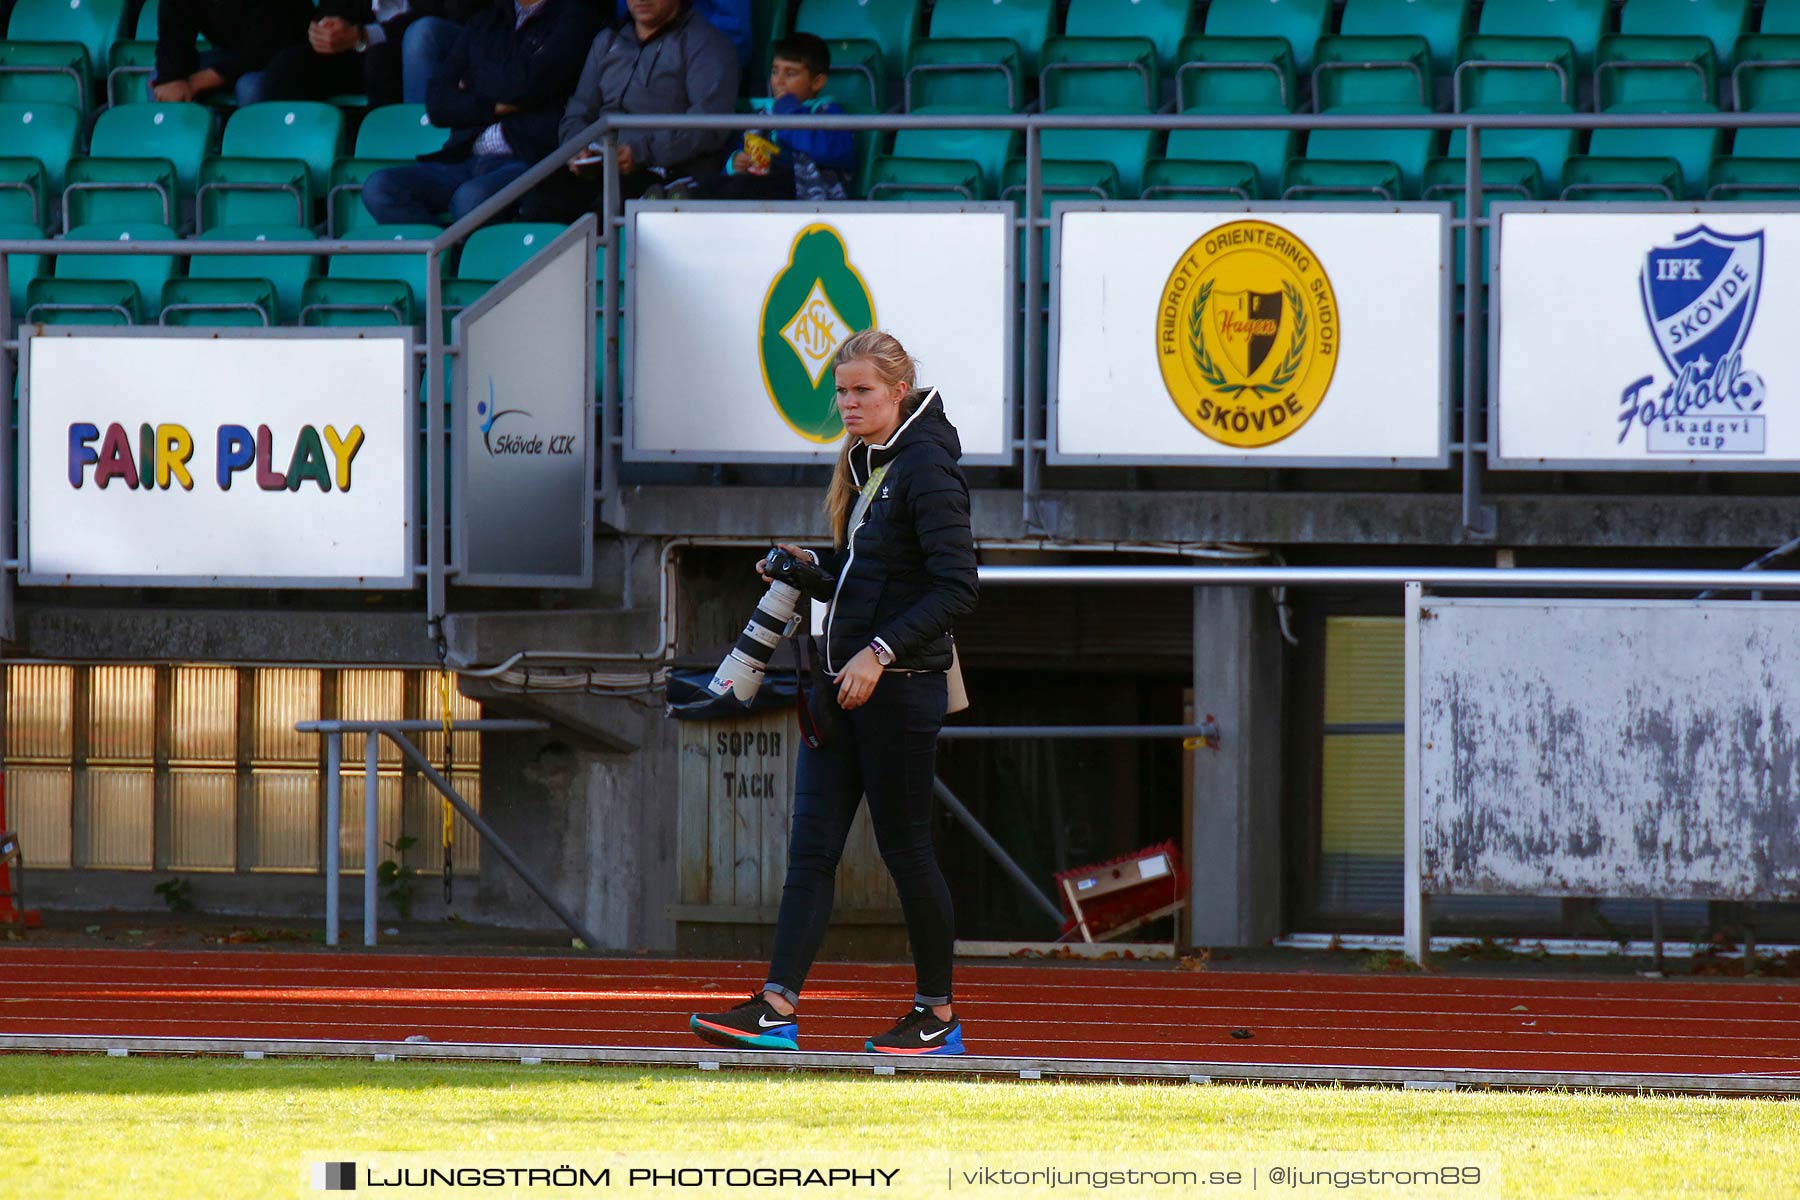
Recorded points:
(500, 94)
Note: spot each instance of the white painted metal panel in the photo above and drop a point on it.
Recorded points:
(1608, 748)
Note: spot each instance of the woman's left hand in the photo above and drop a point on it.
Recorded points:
(856, 682)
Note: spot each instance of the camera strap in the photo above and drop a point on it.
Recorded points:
(809, 724)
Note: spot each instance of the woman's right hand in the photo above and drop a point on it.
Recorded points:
(794, 550)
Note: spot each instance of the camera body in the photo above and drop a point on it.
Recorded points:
(807, 577)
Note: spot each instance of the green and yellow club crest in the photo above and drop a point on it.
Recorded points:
(816, 302)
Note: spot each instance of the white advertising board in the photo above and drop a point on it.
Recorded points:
(168, 457)
(733, 313)
(1644, 338)
(1275, 335)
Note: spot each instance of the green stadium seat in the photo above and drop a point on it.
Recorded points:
(274, 159)
(1221, 75)
(1528, 54)
(1370, 72)
(392, 135)
(37, 141)
(66, 36)
(122, 289)
(1586, 177)
(987, 148)
(1548, 148)
(130, 67)
(1387, 52)
(1111, 53)
(1767, 62)
(1003, 38)
(143, 163)
(1266, 150)
(1107, 49)
(1667, 51)
(1100, 73)
(869, 38)
(43, 73)
(1406, 149)
(406, 269)
(218, 303)
(1768, 142)
(338, 301)
(1261, 30)
(1184, 179)
(21, 269)
(926, 179)
(493, 253)
(146, 22)
(1692, 149)
(1317, 178)
(286, 273)
(1065, 179)
(965, 75)
(1754, 179)
(1764, 165)
(1128, 150)
(1515, 75)
(1439, 23)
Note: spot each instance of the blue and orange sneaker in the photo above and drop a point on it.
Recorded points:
(752, 1025)
(919, 1032)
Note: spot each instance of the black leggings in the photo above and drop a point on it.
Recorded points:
(887, 749)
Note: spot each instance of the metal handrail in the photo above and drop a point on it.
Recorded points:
(395, 732)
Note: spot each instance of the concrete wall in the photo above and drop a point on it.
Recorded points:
(1235, 832)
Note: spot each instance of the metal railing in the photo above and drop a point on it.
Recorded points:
(395, 732)
(1032, 222)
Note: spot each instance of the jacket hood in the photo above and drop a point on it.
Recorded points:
(927, 424)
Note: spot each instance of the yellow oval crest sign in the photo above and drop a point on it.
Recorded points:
(1247, 334)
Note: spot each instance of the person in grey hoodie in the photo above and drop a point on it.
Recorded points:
(667, 59)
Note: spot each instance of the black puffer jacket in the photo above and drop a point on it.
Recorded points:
(907, 572)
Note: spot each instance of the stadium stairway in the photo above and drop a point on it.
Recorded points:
(605, 621)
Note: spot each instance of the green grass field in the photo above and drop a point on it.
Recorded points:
(97, 1127)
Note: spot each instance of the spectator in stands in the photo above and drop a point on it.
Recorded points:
(667, 60)
(366, 47)
(794, 164)
(730, 17)
(499, 93)
(428, 43)
(244, 38)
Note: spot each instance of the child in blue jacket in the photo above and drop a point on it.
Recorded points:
(794, 164)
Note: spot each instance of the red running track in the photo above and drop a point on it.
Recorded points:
(1639, 1027)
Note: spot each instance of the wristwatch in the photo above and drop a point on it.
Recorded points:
(883, 655)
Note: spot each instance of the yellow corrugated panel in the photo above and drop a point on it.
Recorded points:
(205, 713)
(284, 833)
(389, 799)
(371, 696)
(121, 714)
(37, 808)
(40, 717)
(202, 820)
(1363, 797)
(285, 695)
(1365, 667)
(121, 818)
